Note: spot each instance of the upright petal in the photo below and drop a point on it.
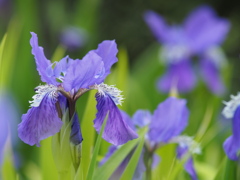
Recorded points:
(84, 73)
(157, 25)
(232, 144)
(41, 61)
(211, 75)
(41, 121)
(116, 131)
(205, 29)
(169, 120)
(76, 135)
(107, 50)
(180, 76)
(142, 118)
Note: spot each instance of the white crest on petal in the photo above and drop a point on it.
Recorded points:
(110, 90)
(217, 56)
(231, 106)
(41, 91)
(187, 142)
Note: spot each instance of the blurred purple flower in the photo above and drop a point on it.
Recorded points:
(7, 121)
(66, 81)
(73, 38)
(232, 111)
(200, 35)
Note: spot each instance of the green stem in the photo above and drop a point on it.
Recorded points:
(149, 166)
(63, 175)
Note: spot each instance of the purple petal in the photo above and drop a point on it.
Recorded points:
(157, 25)
(116, 131)
(107, 50)
(211, 76)
(128, 120)
(205, 29)
(169, 120)
(110, 152)
(41, 61)
(180, 76)
(232, 144)
(189, 166)
(142, 118)
(40, 122)
(84, 73)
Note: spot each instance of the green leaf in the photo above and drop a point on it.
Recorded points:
(131, 167)
(106, 170)
(96, 150)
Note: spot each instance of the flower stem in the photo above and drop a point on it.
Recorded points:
(148, 163)
(63, 175)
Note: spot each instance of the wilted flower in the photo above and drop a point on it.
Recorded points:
(232, 111)
(66, 81)
(200, 35)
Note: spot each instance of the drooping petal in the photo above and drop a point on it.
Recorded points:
(157, 25)
(84, 73)
(41, 61)
(180, 76)
(232, 144)
(169, 120)
(116, 131)
(211, 75)
(107, 50)
(128, 120)
(189, 166)
(76, 135)
(142, 118)
(205, 29)
(41, 121)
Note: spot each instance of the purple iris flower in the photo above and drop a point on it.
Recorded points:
(232, 111)
(66, 81)
(73, 37)
(200, 35)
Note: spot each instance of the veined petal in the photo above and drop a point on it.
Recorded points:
(211, 75)
(142, 118)
(169, 120)
(116, 131)
(41, 61)
(232, 144)
(180, 76)
(157, 25)
(41, 121)
(84, 73)
(107, 50)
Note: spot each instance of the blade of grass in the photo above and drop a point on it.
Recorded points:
(96, 150)
(132, 165)
(106, 170)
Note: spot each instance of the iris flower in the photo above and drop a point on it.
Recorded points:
(232, 111)
(165, 126)
(199, 36)
(66, 81)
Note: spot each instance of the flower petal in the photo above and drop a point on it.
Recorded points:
(107, 50)
(211, 76)
(169, 120)
(76, 135)
(212, 31)
(157, 25)
(232, 144)
(40, 122)
(116, 131)
(41, 61)
(180, 76)
(84, 73)
(142, 118)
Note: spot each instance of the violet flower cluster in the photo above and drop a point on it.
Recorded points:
(199, 36)
(165, 125)
(232, 111)
(66, 81)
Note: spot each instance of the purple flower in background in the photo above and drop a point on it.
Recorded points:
(66, 81)
(200, 35)
(73, 37)
(232, 111)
